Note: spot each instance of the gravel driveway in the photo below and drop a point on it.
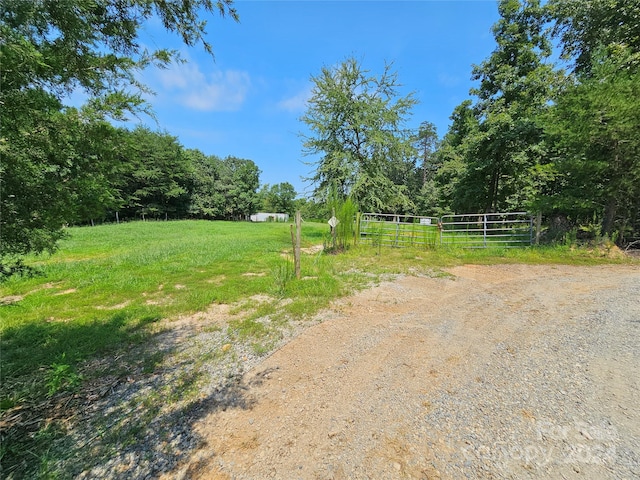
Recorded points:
(507, 371)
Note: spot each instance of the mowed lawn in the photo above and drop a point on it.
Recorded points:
(97, 293)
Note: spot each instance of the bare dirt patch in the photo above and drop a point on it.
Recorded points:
(65, 292)
(312, 250)
(506, 371)
(11, 299)
(118, 306)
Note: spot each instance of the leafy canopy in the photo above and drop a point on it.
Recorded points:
(59, 45)
(496, 144)
(357, 122)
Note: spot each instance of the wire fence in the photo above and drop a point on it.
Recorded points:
(506, 230)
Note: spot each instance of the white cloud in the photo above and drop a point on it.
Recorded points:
(296, 103)
(177, 76)
(219, 90)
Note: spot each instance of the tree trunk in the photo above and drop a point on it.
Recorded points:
(609, 217)
(424, 169)
(492, 200)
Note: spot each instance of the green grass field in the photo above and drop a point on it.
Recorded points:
(107, 282)
(105, 291)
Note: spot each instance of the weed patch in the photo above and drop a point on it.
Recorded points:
(61, 376)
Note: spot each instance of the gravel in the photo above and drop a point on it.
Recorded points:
(143, 426)
(501, 372)
(543, 410)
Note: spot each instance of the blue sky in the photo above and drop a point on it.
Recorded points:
(247, 102)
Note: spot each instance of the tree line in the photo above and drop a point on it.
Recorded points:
(557, 138)
(96, 172)
(63, 165)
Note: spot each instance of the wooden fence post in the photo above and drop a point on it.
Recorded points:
(296, 256)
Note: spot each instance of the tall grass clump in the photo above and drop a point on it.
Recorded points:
(343, 235)
(283, 273)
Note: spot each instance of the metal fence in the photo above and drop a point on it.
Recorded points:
(488, 229)
(514, 229)
(398, 230)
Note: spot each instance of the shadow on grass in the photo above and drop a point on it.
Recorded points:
(143, 437)
(41, 386)
(26, 348)
(133, 415)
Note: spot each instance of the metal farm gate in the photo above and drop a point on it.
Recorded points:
(487, 230)
(507, 230)
(398, 230)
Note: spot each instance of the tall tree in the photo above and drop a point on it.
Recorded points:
(356, 122)
(425, 142)
(42, 174)
(423, 190)
(49, 49)
(584, 26)
(239, 182)
(453, 152)
(514, 88)
(595, 133)
(278, 198)
(593, 125)
(99, 148)
(159, 177)
(207, 201)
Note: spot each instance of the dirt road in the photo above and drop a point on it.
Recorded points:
(504, 371)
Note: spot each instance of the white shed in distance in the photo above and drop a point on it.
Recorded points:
(270, 217)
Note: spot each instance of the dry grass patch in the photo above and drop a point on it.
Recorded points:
(118, 306)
